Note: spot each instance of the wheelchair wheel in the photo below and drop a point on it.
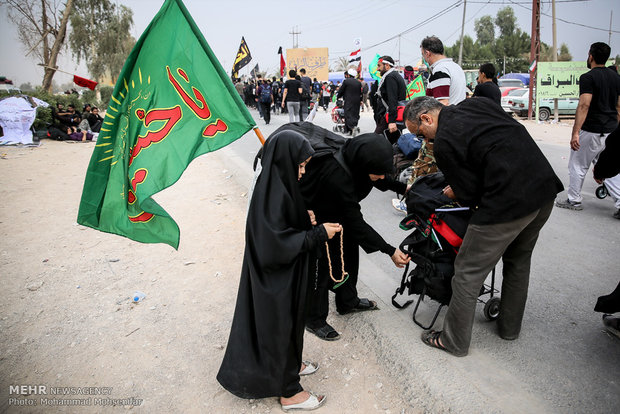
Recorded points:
(601, 192)
(491, 308)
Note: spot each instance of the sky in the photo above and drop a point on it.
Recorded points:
(266, 25)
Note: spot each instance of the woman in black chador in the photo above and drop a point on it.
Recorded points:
(263, 357)
(333, 188)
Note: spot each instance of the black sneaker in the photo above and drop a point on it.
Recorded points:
(569, 205)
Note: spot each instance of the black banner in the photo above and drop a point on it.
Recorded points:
(243, 58)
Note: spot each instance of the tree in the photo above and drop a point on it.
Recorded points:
(564, 55)
(506, 21)
(485, 31)
(509, 50)
(41, 27)
(100, 35)
(26, 87)
(341, 64)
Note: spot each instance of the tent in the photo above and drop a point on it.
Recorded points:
(523, 77)
(339, 77)
(17, 114)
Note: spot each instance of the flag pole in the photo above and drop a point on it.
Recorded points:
(259, 134)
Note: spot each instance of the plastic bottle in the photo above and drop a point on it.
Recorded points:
(137, 296)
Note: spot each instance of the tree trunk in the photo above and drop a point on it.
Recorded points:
(50, 64)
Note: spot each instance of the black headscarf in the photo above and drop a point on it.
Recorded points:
(277, 211)
(367, 154)
(263, 355)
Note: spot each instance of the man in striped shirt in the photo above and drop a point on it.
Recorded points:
(447, 81)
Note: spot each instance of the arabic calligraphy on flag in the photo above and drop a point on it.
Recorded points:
(170, 105)
(416, 88)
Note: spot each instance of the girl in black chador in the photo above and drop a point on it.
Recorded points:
(263, 356)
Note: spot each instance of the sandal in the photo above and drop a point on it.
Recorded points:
(325, 332)
(363, 305)
(431, 338)
(311, 368)
(312, 403)
(612, 324)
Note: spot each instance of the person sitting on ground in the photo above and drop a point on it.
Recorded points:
(95, 120)
(62, 116)
(76, 134)
(84, 125)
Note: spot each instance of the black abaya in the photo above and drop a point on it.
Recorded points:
(351, 91)
(334, 195)
(263, 356)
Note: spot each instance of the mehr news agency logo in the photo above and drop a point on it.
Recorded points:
(22, 395)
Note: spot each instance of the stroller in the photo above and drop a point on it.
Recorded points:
(438, 226)
(338, 116)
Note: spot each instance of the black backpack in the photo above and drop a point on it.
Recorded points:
(265, 94)
(305, 93)
(323, 141)
(433, 273)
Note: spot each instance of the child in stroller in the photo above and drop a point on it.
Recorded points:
(338, 116)
(438, 225)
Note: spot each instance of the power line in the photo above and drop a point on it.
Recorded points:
(417, 26)
(566, 21)
(471, 18)
(529, 2)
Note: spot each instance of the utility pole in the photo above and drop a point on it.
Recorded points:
(294, 31)
(554, 52)
(462, 32)
(399, 40)
(610, 18)
(534, 52)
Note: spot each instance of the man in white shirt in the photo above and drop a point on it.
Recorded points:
(447, 81)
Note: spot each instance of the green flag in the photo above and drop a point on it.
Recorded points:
(172, 102)
(372, 67)
(416, 88)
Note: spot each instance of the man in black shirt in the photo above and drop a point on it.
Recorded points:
(351, 91)
(493, 166)
(391, 90)
(291, 95)
(487, 84)
(303, 103)
(597, 115)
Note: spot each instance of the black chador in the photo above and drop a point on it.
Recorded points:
(333, 188)
(351, 91)
(263, 356)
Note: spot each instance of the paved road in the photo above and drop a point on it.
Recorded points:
(563, 361)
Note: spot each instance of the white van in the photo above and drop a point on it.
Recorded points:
(10, 89)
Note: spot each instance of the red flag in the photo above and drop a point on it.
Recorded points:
(282, 62)
(87, 83)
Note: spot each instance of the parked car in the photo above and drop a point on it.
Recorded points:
(517, 93)
(517, 83)
(566, 106)
(506, 96)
